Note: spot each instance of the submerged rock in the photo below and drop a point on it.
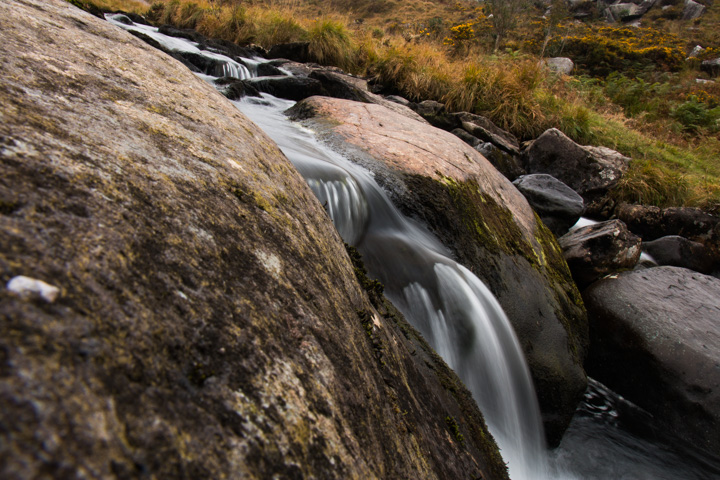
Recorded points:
(436, 178)
(211, 323)
(655, 339)
(600, 249)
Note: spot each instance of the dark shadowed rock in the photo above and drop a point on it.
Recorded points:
(487, 131)
(235, 89)
(296, 51)
(291, 88)
(340, 85)
(711, 66)
(655, 339)
(600, 249)
(438, 179)
(509, 165)
(590, 171)
(265, 69)
(296, 68)
(652, 222)
(430, 108)
(558, 206)
(466, 137)
(208, 321)
(402, 101)
(678, 251)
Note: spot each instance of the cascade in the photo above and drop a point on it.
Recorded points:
(458, 315)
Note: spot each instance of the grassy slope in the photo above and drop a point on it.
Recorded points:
(444, 50)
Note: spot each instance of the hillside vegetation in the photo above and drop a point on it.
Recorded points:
(634, 88)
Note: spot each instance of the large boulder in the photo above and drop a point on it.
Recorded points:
(438, 179)
(656, 340)
(712, 67)
(174, 301)
(590, 171)
(600, 249)
(560, 65)
(558, 206)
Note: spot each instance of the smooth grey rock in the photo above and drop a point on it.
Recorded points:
(558, 205)
(693, 10)
(561, 65)
(678, 251)
(600, 249)
(621, 11)
(655, 339)
(590, 171)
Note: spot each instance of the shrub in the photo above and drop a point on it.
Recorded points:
(695, 115)
(330, 43)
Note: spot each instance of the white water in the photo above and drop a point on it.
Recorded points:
(450, 306)
(607, 440)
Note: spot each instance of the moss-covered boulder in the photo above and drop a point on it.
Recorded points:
(438, 179)
(199, 316)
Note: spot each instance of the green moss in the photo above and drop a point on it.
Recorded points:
(491, 224)
(373, 287)
(454, 429)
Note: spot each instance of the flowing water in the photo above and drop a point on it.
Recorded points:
(459, 316)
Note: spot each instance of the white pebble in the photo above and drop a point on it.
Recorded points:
(26, 287)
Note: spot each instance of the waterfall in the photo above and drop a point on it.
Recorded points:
(450, 306)
(607, 439)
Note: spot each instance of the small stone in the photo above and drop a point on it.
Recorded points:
(28, 287)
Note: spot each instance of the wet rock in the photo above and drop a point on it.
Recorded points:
(558, 206)
(509, 165)
(561, 65)
(211, 324)
(295, 68)
(441, 181)
(235, 89)
(590, 171)
(600, 249)
(291, 88)
(678, 251)
(655, 339)
(265, 69)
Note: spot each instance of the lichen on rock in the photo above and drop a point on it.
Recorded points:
(208, 325)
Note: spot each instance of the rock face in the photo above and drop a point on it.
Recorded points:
(598, 250)
(558, 206)
(209, 322)
(590, 171)
(438, 179)
(656, 340)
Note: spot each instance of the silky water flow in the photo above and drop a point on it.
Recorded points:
(609, 438)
